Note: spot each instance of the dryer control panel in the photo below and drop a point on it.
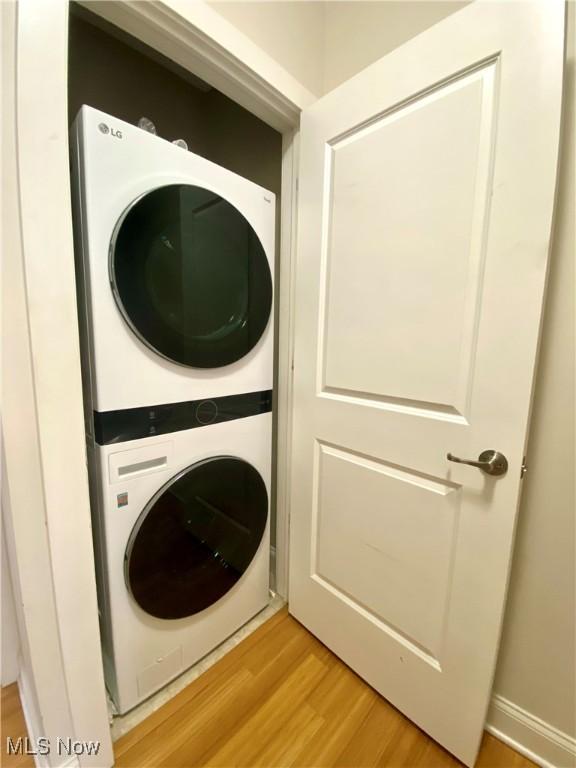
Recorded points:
(135, 423)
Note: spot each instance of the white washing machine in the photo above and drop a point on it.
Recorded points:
(182, 546)
(176, 270)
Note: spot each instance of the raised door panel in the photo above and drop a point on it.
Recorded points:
(415, 225)
(383, 542)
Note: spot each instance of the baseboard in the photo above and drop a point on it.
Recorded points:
(529, 735)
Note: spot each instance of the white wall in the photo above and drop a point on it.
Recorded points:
(290, 32)
(324, 43)
(358, 33)
(537, 665)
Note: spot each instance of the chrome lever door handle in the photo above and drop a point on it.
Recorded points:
(492, 462)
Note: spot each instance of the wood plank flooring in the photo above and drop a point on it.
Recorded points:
(13, 725)
(283, 699)
(278, 699)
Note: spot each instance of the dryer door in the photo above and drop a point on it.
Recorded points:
(190, 276)
(196, 537)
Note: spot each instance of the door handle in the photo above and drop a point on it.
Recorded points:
(492, 462)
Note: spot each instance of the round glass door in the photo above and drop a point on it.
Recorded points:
(190, 276)
(196, 537)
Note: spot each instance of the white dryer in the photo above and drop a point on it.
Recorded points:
(182, 546)
(176, 270)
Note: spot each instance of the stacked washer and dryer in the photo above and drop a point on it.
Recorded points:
(175, 275)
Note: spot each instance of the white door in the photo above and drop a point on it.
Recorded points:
(425, 207)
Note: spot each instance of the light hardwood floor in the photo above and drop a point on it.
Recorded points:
(281, 698)
(13, 725)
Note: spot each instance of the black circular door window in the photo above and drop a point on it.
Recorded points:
(190, 276)
(196, 537)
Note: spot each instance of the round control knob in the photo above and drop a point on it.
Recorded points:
(206, 412)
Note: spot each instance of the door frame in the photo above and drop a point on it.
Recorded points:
(200, 40)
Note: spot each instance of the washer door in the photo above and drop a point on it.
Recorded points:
(196, 537)
(190, 276)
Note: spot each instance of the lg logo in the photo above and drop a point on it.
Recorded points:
(112, 131)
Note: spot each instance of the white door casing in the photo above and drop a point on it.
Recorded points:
(426, 195)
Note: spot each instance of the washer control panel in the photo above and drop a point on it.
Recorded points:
(135, 423)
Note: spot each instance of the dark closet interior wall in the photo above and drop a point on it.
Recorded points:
(111, 72)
